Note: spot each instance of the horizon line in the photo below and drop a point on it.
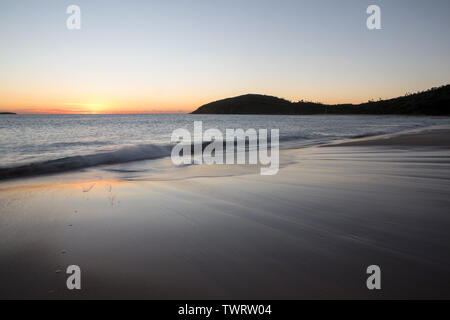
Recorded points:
(90, 113)
(71, 112)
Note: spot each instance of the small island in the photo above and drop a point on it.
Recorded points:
(7, 113)
(435, 102)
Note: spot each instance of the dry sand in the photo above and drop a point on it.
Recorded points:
(208, 232)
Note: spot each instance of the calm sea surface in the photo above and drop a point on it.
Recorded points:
(94, 139)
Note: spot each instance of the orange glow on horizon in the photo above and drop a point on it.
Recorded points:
(105, 111)
(89, 108)
(120, 102)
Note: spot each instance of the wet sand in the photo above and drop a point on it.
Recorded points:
(437, 136)
(226, 232)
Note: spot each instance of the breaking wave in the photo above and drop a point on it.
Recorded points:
(122, 155)
(129, 154)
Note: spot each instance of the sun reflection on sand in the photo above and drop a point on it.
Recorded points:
(85, 186)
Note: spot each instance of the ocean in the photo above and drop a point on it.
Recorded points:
(37, 144)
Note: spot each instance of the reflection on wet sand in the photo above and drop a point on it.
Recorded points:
(228, 232)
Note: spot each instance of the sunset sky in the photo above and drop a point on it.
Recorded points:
(172, 56)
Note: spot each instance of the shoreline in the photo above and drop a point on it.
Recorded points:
(434, 136)
(225, 232)
(437, 136)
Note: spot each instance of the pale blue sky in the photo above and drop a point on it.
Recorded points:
(175, 55)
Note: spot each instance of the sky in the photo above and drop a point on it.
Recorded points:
(168, 56)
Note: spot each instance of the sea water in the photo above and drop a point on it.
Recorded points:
(50, 143)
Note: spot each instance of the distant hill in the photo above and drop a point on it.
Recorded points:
(7, 113)
(435, 101)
